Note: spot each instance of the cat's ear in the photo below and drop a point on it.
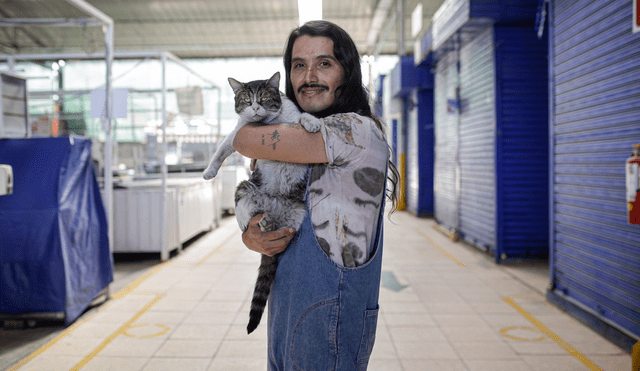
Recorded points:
(235, 84)
(274, 81)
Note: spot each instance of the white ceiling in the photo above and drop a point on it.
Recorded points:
(201, 28)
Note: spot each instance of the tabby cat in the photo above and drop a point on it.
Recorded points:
(276, 188)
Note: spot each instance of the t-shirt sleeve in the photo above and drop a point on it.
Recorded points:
(346, 138)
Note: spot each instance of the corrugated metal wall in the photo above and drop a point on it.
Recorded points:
(420, 152)
(446, 168)
(477, 141)
(596, 82)
(522, 142)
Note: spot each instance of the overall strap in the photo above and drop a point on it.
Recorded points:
(306, 191)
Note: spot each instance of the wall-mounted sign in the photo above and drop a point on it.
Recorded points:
(119, 98)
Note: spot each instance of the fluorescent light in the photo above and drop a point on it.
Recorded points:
(309, 10)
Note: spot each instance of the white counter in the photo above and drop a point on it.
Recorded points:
(192, 206)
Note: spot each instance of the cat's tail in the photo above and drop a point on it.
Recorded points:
(266, 277)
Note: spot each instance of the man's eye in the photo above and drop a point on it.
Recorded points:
(298, 65)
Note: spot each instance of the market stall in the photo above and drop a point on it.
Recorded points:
(54, 250)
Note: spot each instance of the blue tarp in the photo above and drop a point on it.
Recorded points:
(54, 250)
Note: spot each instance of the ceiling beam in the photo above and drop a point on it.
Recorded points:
(30, 35)
(377, 22)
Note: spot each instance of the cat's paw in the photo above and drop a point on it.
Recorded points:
(210, 173)
(266, 223)
(310, 122)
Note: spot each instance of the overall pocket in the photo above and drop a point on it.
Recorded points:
(314, 343)
(368, 335)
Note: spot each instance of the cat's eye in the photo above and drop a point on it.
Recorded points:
(244, 98)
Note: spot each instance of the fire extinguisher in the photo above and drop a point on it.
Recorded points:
(633, 185)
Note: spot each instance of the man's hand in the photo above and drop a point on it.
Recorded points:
(267, 243)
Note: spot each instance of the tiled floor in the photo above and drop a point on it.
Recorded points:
(444, 306)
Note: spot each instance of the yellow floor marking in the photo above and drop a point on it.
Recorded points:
(133, 285)
(217, 249)
(443, 251)
(550, 334)
(122, 330)
(51, 343)
(505, 332)
(118, 295)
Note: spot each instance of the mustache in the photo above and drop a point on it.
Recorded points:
(311, 86)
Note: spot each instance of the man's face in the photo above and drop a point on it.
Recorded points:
(315, 73)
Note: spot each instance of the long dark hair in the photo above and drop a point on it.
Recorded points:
(351, 96)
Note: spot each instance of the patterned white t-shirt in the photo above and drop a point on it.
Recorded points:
(346, 194)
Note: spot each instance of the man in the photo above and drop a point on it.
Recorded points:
(324, 303)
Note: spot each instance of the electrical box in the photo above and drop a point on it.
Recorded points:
(6, 180)
(633, 185)
(14, 114)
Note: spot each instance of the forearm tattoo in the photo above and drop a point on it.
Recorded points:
(275, 136)
(271, 141)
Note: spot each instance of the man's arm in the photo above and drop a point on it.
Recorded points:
(281, 142)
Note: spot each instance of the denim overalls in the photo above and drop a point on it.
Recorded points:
(322, 316)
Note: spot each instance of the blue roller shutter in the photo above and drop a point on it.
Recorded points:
(491, 168)
(477, 141)
(596, 83)
(446, 168)
(420, 152)
(522, 142)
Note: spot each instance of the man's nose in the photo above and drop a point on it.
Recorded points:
(310, 75)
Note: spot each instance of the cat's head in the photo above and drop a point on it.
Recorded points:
(259, 100)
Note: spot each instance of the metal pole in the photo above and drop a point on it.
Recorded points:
(402, 124)
(163, 203)
(51, 22)
(372, 85)
(106, 123)
(108, 179)
(219, 114)
(12, 64)
(400, 12)
(551, 137)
